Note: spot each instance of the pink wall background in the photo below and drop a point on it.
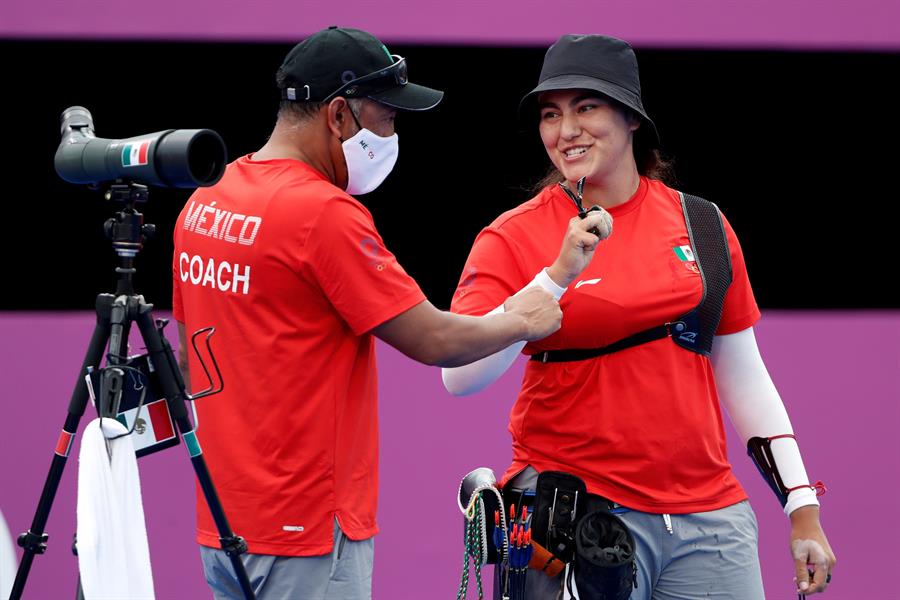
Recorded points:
(802, 24)
(839, 373)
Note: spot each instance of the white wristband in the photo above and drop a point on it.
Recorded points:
(543, 279)
(804, 496)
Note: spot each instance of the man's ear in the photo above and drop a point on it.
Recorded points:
(336, 114)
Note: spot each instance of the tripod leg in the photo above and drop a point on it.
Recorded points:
(34, 541)
(163, 359)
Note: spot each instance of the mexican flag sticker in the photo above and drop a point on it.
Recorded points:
(684, 253)
(153, 424)
(135, 153)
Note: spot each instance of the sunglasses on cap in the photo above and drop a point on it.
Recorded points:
(391, 76)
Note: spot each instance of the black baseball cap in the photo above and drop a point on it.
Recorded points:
(593, 62)
(354, 64)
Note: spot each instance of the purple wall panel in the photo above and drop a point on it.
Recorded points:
(839, 373)
(831, 24)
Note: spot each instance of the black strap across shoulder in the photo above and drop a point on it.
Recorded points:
(707, 235)
(696, 329)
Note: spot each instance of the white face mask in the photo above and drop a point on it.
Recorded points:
(370, 159)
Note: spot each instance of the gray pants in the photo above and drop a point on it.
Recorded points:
(346, 573)
(708, 555)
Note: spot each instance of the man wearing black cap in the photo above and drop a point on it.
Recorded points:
(292, 272)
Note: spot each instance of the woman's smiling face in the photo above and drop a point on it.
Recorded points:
(585, 134)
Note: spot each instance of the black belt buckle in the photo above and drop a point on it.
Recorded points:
(675, 327)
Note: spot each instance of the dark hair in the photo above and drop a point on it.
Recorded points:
(298, 111)
(650, 161)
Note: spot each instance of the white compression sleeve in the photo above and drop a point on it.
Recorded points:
(474, 377)
(748, 394)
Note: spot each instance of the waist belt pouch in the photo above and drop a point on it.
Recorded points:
(479, 497)
(559, 500)
(605, 568)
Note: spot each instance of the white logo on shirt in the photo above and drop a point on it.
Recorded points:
(223, 276)
(222, 224)
(587, 282)
(293, 527)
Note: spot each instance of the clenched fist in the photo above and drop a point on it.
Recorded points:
(579, 245)
(539, 309)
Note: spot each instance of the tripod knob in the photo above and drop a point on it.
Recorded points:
(149, 230)
(34, 542)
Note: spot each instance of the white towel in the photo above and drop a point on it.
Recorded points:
(113, 555)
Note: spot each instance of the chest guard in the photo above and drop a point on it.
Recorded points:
(695, 329)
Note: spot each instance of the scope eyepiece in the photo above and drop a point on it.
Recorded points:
(76, 117)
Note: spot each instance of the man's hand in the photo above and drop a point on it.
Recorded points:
(539, 309)
(578, 246)
(811, 551)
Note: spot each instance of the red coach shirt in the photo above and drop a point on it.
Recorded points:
(292, 273)
(641, 426)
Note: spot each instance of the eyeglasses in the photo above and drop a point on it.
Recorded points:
(394, 75)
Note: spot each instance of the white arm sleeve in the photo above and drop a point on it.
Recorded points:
(748, 394)
(474, 377)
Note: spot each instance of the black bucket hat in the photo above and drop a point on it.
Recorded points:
(354, 64)
(593, 62)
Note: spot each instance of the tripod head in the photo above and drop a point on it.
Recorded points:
(127, 230)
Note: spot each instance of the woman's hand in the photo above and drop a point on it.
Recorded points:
(578, 246)
(810, 549)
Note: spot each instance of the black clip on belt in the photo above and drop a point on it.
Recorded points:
(648, 335)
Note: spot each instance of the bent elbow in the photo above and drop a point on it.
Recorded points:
(454, 383)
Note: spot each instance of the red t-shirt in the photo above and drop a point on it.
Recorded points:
(293, 275)
(641, 426)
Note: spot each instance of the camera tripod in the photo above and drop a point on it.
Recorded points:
(115, 315)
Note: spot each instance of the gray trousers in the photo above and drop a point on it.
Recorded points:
(346, 573)
(707, 555)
